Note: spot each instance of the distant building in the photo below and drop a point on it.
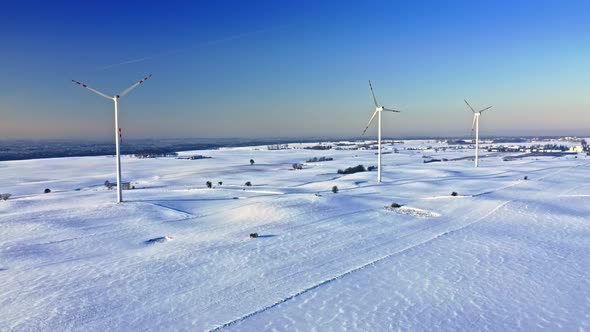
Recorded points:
(124, 185)
(577, 149)
(272, 147)
(195, 157)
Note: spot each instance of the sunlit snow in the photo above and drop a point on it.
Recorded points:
(503, 254)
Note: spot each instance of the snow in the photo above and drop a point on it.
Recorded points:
(505, 254)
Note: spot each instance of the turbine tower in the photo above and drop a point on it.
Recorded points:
(115, 99)
(378, 111)
(476, 116)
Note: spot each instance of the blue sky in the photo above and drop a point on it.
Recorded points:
(269, 69)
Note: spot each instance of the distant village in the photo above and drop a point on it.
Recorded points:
(510, 145)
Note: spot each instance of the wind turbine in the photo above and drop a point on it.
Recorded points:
(378, 111)
(476, 116)
(115, 99)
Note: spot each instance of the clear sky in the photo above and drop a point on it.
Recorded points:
(267, 69)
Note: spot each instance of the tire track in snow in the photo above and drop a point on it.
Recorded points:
(359, 268)
(187, 215)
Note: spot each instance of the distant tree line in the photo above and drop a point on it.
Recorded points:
(319, 147)
(320, 159)
(547, 147)
(155, 154)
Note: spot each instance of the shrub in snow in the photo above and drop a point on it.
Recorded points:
(454, 193)
(253, 235)
(248, 184)
(351, 170)
(108, 184)
(220, 183)
(209, 184)
(371, 168)
(5, 197)
(160, 239)
(297, 166)
(395, 205)
(335, 189)
(47, 190)
(251, 161)
(526, 177)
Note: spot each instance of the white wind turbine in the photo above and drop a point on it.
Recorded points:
(117, 130)
(476, 125)
(378, 111)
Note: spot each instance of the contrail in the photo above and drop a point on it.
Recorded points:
(203, 44)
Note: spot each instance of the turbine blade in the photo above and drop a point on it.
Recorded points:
(368, 124)
(93, 90)
(135, 85)
(373, 94)
(388, 110)
(485, 109)
(472, 110)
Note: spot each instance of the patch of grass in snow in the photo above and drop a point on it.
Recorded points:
(410, 211)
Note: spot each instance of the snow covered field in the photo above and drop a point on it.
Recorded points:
(504, 254)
